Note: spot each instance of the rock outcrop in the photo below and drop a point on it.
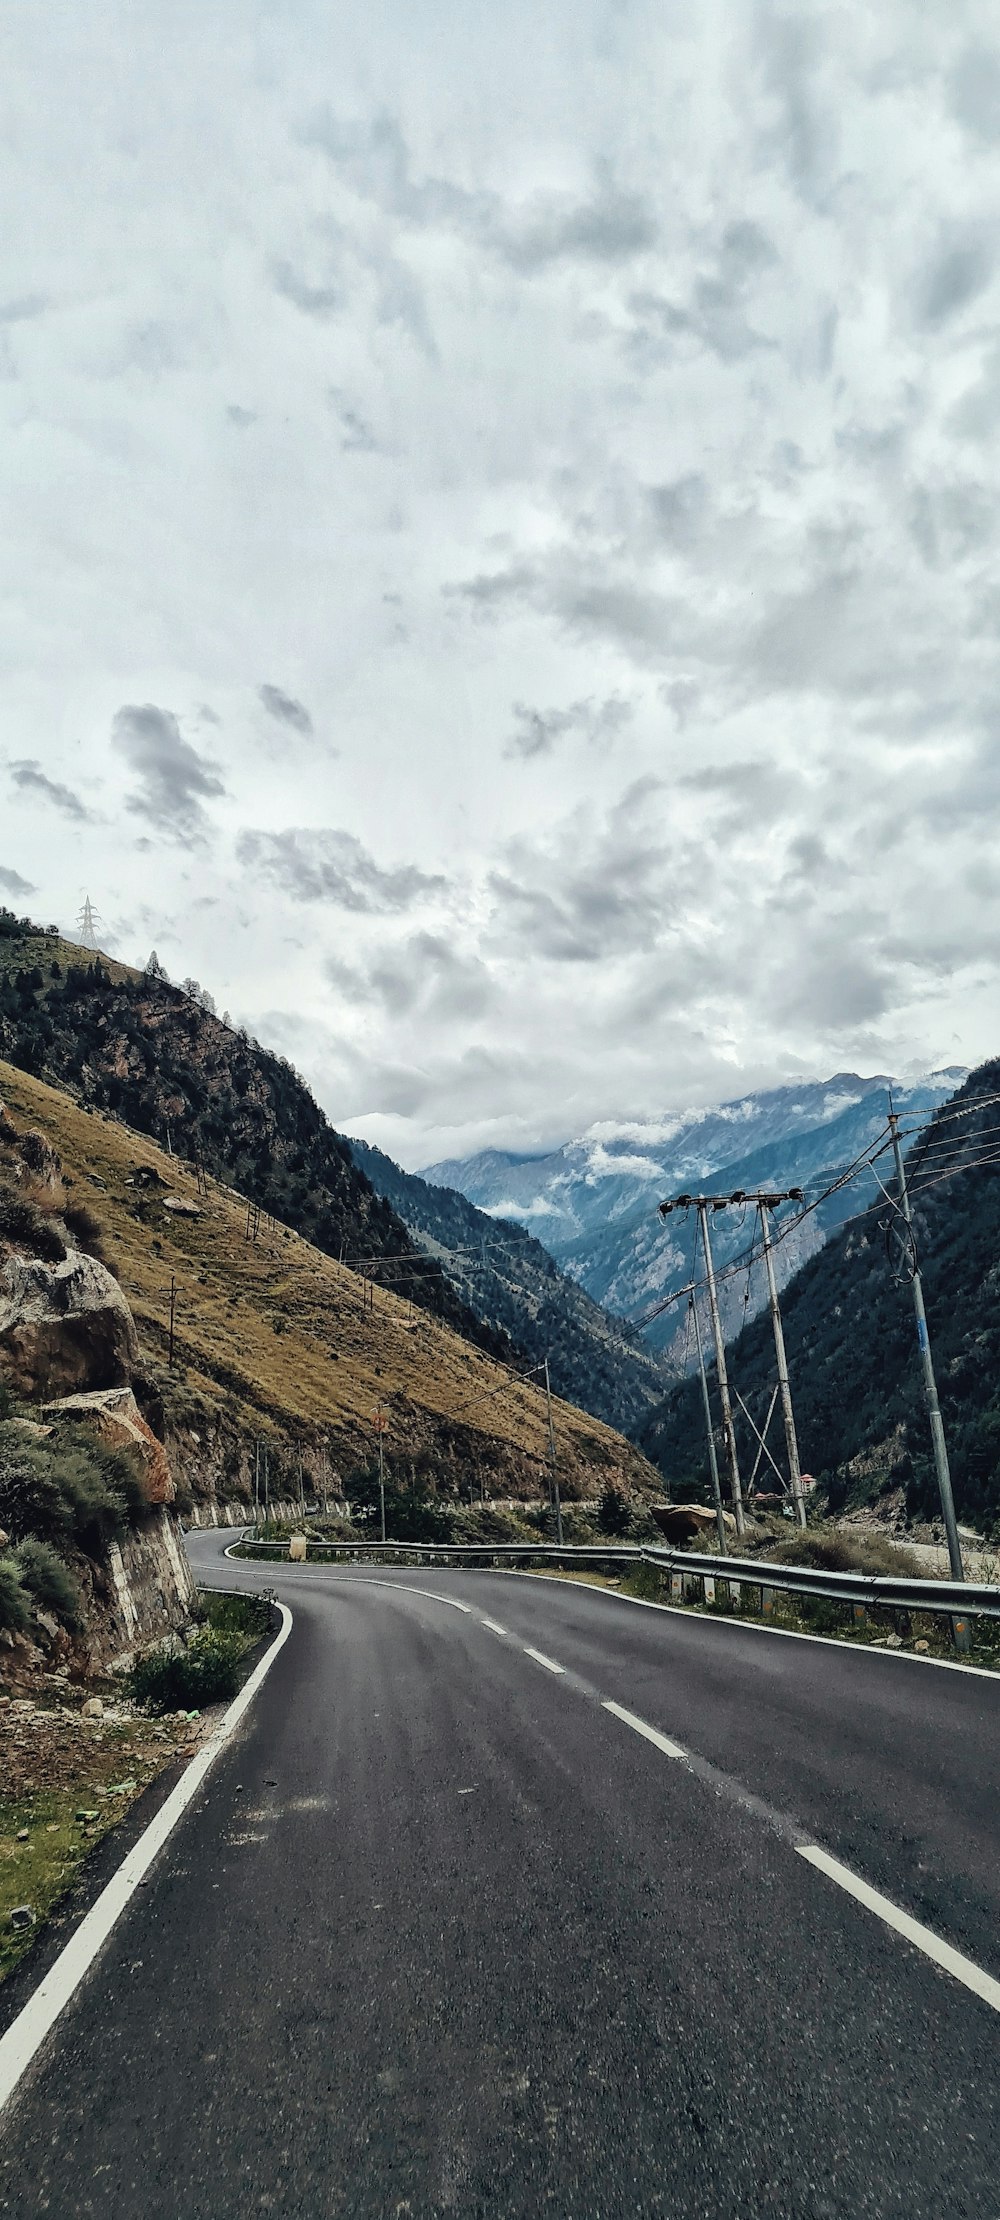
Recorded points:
(68, 1339)
(64, 1327)
(116, 1418)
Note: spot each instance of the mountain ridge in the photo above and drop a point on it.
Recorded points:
(852, 1346)
(594, 1201)
(510, 1280)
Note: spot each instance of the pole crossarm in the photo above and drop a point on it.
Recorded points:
(770, 1198)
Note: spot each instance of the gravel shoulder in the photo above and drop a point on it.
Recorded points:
(70, 1776)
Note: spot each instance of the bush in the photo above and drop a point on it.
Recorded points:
(207, 1672)
(614, 1512)
(15, 1603)
(48, 1580)
(67, 1488)
(248, 1616)
(840, 1552)
(86, 1230)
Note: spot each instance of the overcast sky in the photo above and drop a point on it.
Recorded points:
(500, 565)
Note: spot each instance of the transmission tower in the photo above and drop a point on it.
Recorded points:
(87, 924)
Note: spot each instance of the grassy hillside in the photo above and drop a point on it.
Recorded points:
(512, 1283)
(851, 1338)
(274, 1339)
(158, 1058)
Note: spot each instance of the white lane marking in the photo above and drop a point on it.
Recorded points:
(361, 1580)
(652, 1734)
(28, 2031)
(953, 1961)
(541, 1659)
(494, 1627)
(404, 1590)
(753, 1626)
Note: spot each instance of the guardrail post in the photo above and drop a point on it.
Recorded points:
(860, 1614)
(709, 1588)
(961, 1634)
(766, 1602)
(676, 1587)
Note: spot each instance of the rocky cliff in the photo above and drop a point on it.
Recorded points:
(91, 1566)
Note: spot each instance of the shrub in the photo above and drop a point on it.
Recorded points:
(614, 1513)
(69, 1488)
(840, 1552)
(86, 1230)
(207, 1672)
(15, 1603)
(48, 1579)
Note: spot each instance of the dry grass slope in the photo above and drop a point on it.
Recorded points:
(276, 1332)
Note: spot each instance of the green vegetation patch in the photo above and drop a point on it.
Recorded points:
(209, 1669)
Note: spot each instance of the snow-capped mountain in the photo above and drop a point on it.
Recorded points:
(593, 1201)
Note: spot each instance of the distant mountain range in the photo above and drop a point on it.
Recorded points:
(155, 1057)
(593, 1201)
(514, 1287)
(853, 1353)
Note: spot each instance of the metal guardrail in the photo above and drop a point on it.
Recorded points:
(958, 1600)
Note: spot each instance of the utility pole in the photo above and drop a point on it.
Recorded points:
(554, 1482)
(256, 1481)
(173, 1302)
(930, 1384)
(302, 1494)
(710, 1431)
(791, 1442)
(728, 1428)
(380, 1423)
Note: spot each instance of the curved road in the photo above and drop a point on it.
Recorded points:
(442, 1934)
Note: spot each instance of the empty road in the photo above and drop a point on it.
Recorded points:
(444, 1934)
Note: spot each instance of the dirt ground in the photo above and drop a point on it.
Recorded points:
(66, 1779)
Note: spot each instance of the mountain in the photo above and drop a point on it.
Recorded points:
(851, 1338)
(157, 1057)
(512, 1284)
(280, 1358)
(594, 1200)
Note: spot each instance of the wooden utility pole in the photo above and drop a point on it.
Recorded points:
(553, 1469)
(791, 1442)
(380, 1422)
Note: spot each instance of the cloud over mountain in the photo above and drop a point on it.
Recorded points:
(593, 422)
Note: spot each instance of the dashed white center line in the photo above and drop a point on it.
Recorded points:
(541, 1659)
(639, 1726)
(494, 1627)
(952, 1961)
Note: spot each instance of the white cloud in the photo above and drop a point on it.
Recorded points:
(594, 425)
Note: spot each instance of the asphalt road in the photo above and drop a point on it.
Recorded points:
(442, 1935)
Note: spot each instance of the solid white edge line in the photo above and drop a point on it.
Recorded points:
(28, 2031)
(652, 1734)
(952, 1961)
(753, 1626)
(361, 1581)
(541, 1659)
